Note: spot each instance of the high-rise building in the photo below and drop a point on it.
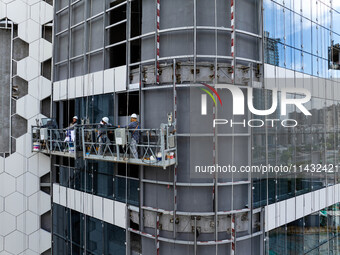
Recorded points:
(162, 60)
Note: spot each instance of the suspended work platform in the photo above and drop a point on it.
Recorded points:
(148, 147)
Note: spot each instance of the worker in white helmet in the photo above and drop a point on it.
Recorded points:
(102, 134)
(135, 136)
(70, 132)
(74, 121)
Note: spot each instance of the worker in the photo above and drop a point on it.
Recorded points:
(133, 126)
(74, 121)
(102, 134)
(70, 134)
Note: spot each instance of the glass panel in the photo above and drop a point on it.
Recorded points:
(94, 237)
(114, 240)
(77, 228)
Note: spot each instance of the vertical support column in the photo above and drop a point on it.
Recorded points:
(232, 10)
(128, 241)
(158, 12)
(233, 235)
(195, 41)
(175, 126)
(157, 233)
(233, 62)
(128, 35)
(11, 88)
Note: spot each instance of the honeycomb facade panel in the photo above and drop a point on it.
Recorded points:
(17, 11)
(29, 31)
(21, 201)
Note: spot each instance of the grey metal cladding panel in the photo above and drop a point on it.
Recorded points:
(240, 197)
(205, 13)
(247, 15)
(95, 7)
(170, 249)
(206, 42)
(244, 246)
(223, 249)
(201, 124)
(226, 112)
(201, 152)
(61, 72)
(176, 13)
(61, 4)
(5, 100)
(183, 148)
(148, 48)
(223, 42)
(149, 16)
(240, 149)
(157, 104)
(77, 67)
(183, 110)
(256, 243)
(223, 13)
(78, 12)
(96, 40)
(148, 244)
(158, 196)
(96, 62)
(184, 159)
(224, 198)
(62, 21)
(61, 47)
(154, 173)
(176, 43)
(195, 199)
(247, 47)
(77, 40)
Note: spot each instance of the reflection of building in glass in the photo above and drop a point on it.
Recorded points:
(271, 53)
(334, 56)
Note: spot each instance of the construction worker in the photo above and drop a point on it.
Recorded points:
(133, 126)
(102, 134)
(70, 133)
(74, 121)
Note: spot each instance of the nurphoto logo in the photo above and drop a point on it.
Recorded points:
(239, 105)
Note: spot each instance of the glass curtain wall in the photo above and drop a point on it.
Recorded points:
(317, 233)
(297, 37)
(76, 233)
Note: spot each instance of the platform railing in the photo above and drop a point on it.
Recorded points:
(156, 147)
(63, 142)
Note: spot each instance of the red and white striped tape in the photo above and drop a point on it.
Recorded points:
(175, 119)
(232, 11)
(157, 233)
(157, 31)
(233, 234)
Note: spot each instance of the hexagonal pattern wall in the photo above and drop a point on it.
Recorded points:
(21, 200)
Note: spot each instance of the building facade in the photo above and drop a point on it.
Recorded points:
(151, 57)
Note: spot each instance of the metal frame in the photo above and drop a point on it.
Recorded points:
(56, 143)
(109, 150)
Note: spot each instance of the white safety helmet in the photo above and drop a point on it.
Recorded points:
(105, 119)
(75, 117)
(134, 116)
